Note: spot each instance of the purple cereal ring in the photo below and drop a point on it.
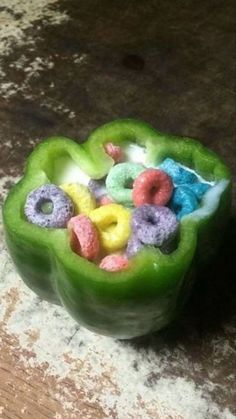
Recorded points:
(134, 246)
(97, 187)
(48, 206)
(169, 246)
(154, 225)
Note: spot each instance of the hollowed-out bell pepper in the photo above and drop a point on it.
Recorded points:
(149, 294)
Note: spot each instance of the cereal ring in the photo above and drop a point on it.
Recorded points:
(170, 246)
(199, 189)
(97, 187)
(113, 223)
(114, 151)
(114, 263)
(82, 198)
(105, 200)
(84, 238)
(119, 181)
(178, 174)
(183, 201)
(48, 206)
(134, 246)
(152, 186)
(154, 225)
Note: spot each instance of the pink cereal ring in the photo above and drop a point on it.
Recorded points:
(83, 237)
(153, 186)
(105, 200)
(114, 151)
(114, 263)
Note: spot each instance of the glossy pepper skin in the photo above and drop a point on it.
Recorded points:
(148, 295)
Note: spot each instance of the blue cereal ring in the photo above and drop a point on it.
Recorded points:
(61, 207)
(119, 181)
(183, 201)
(199, 189)
(178, 174)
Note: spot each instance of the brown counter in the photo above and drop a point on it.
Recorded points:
(67, 67)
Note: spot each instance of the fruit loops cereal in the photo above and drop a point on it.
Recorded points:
(114, 263)
(152, 186)
(131, 208)
(84, 237)
(48, 206)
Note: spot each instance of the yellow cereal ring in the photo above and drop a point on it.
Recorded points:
(82, 198)
(113, 224)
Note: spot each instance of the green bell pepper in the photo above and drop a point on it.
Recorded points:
(148, 295)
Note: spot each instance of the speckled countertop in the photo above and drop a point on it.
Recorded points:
(66, 67)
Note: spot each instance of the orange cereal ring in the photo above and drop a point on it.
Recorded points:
(83, 237)
(114, 151)
(152, 186)
(114, 263)
(105, 200)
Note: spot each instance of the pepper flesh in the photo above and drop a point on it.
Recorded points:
(148, 295)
